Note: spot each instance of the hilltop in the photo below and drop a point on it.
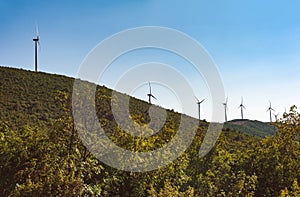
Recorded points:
(41, 153)
(251, 127)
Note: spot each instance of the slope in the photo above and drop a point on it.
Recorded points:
(41, 153)
(251, 127)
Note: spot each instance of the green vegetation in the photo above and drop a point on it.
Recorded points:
(41, 154)
(251, 127)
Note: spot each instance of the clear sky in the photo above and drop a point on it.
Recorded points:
(256, 44)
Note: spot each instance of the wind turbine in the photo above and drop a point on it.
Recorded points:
(270, 109)
(36, 43)
(226, 108)
(242, 107)
(276, 116)
(199, 103)
(150, 94)
(285, 113)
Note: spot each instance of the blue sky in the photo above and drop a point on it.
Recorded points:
(256, 44)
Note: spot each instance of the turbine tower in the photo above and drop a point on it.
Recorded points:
(242, 107)
(270, 109)
(226, 108)
(199, 103)
(36, 43)
(150, 94)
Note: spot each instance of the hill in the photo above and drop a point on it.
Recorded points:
(251, 127)
(41, 153)
(30, 98)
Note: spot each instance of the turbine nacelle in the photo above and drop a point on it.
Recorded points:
(225, 103)
(276, 116)
(199, 102)
(242, 107)
(152, 96)
(270, 109)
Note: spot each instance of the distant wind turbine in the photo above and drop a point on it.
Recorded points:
(276, 116)
(285, 113)
(150, 94)
(199, 103)
(226, 108)
(242, 107)
(270, 109)
(36, 43)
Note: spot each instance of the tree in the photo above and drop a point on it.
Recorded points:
(277, 161)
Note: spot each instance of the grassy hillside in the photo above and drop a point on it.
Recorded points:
(251, 127)
(42, 155)
(28, 98)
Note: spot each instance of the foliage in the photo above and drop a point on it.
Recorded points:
(251, 127)
(41, 153)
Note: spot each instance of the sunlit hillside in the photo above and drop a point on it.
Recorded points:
(41, 153)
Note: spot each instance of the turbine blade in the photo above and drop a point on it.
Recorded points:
(149, 86)
(154, 97)
(37, 35)
(202, 101)
(37, 30)
(196, 98)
